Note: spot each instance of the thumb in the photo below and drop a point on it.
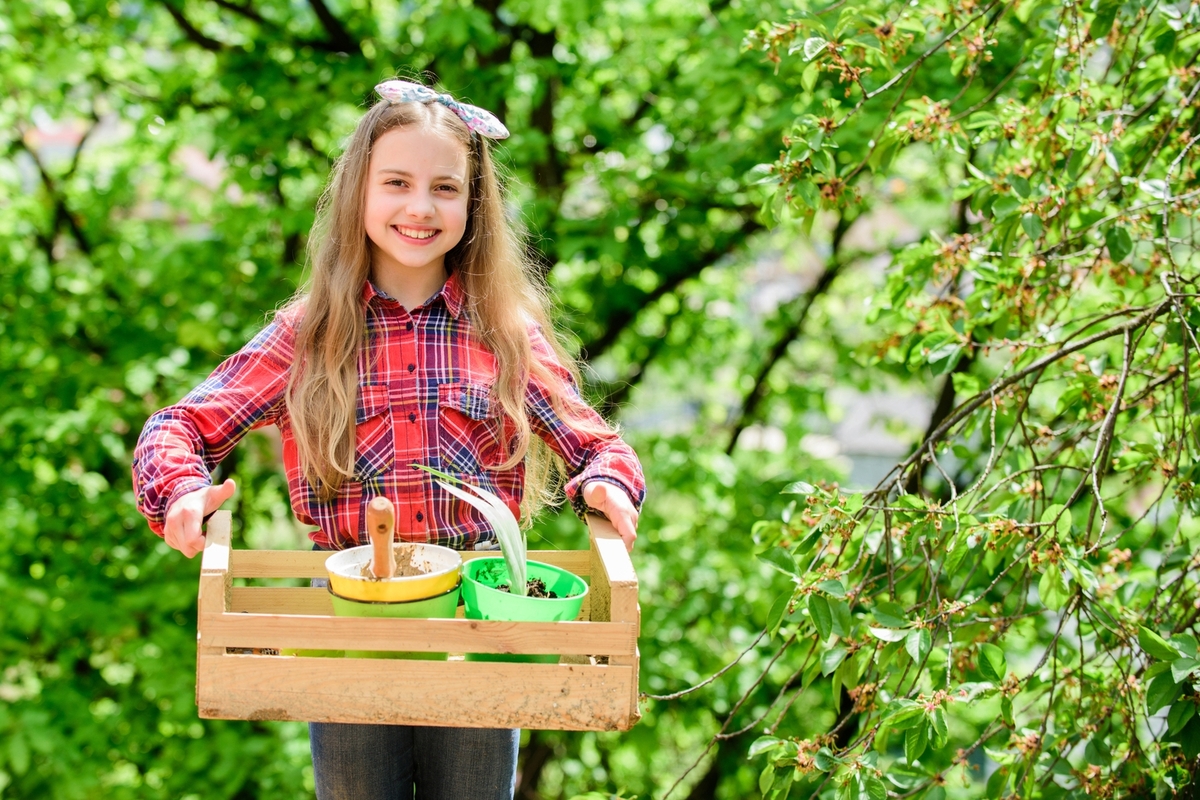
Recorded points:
(217, 495)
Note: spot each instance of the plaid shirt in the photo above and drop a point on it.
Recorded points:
(424, 397)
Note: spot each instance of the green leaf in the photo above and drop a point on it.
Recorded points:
(1181, 711)
(808, 78)
(992, 664)
(831, 659)
(781, 560)
(874, 787)
(1005, 206)
(1185, 643)
(1161, 692)
(887, 634)
(1020, 185)
(1006, 711)
(939, 732)
(1182, 667)
(818, 609)
(813, 47)
(766, 779)
(799, 487)
(778, 609)
(825, 760)
(1032, 225)
(890, 614)
(1102, 23)
(1119, 242)
(762, 744)
(1053, 588)
(761, 174)
(834, 588)
(915, 740)
(1156, 646)
(918, 643)
(842, 622)
(1060, 517)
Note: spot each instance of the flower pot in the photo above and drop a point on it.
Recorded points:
(483, 601)
(442, 606)
(349, 570)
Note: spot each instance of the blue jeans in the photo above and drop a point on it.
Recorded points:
(386, 762)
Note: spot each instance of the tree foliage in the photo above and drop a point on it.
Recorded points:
(1018, 595)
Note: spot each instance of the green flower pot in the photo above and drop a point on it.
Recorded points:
(483, 601)
(442, 606)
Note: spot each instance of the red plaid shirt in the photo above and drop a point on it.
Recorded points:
(424, 397)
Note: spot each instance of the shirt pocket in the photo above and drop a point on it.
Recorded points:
(374, 439)
(469, 428)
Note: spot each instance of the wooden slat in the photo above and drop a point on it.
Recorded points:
(422, 635)
(311, 563)
(615, 585)
(306, 601)
(446, 693)
(281, 600)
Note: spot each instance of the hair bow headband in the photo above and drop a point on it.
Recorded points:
(482, 122)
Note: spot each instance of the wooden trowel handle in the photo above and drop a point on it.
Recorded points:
(381, 522)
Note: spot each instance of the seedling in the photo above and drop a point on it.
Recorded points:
(508, 532)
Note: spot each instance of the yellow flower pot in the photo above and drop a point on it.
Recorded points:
(350, 570)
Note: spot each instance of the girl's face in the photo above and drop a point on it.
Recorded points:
(416, 204)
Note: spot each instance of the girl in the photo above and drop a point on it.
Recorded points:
(419, 339)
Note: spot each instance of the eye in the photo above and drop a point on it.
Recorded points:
(447, 187)
(394, 182)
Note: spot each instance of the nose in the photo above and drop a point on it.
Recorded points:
(420, 205)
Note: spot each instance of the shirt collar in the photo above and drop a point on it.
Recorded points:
(451, 294)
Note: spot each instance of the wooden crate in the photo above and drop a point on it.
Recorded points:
(593, 687)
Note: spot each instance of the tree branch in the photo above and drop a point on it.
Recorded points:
(802, 306)
(190, 31)
(339, 38)
(621, 319)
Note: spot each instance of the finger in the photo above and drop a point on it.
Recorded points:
(217, 495)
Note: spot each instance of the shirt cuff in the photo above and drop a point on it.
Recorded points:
(582, 509)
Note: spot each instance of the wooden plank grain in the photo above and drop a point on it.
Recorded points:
(311, 563)
(420, 635)
(446, 693)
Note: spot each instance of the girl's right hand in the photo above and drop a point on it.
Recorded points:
(185, 517)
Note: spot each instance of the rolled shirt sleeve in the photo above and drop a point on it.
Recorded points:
(588, 456)
(181, 444)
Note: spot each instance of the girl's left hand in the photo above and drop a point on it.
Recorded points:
(612, 501)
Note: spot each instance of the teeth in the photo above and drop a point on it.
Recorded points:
(412, 233)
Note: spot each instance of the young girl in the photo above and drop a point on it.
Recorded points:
(420, 339)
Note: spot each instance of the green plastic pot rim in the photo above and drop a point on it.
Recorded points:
(455, 588)
(481, 585)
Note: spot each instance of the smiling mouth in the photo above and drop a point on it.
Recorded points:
(416, 233)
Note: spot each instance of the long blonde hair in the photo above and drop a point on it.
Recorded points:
(502, 301)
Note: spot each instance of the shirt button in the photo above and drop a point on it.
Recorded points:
(412, 367)
(409, 326)
(412, 417)
(420, 516)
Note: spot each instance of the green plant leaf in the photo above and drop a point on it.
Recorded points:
(1181, 712)
(992, 664)
(780, 559)
(799, 487)
(1119, 242)
(918, 643)
(818, 609)
(890, 614)
(831, 659)
(915, 740)
(1156, 646)
(762, 744)
(1032, 225)
(1161, 692)
(1181, 668)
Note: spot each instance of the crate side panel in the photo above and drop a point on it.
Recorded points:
(453, 694)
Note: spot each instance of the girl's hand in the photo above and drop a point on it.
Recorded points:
(612, 502)
(186, 515)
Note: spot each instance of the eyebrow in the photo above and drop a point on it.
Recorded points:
(406, 174)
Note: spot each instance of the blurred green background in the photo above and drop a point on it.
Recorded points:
(160, 165)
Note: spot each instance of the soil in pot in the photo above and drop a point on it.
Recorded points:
(534, 587)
